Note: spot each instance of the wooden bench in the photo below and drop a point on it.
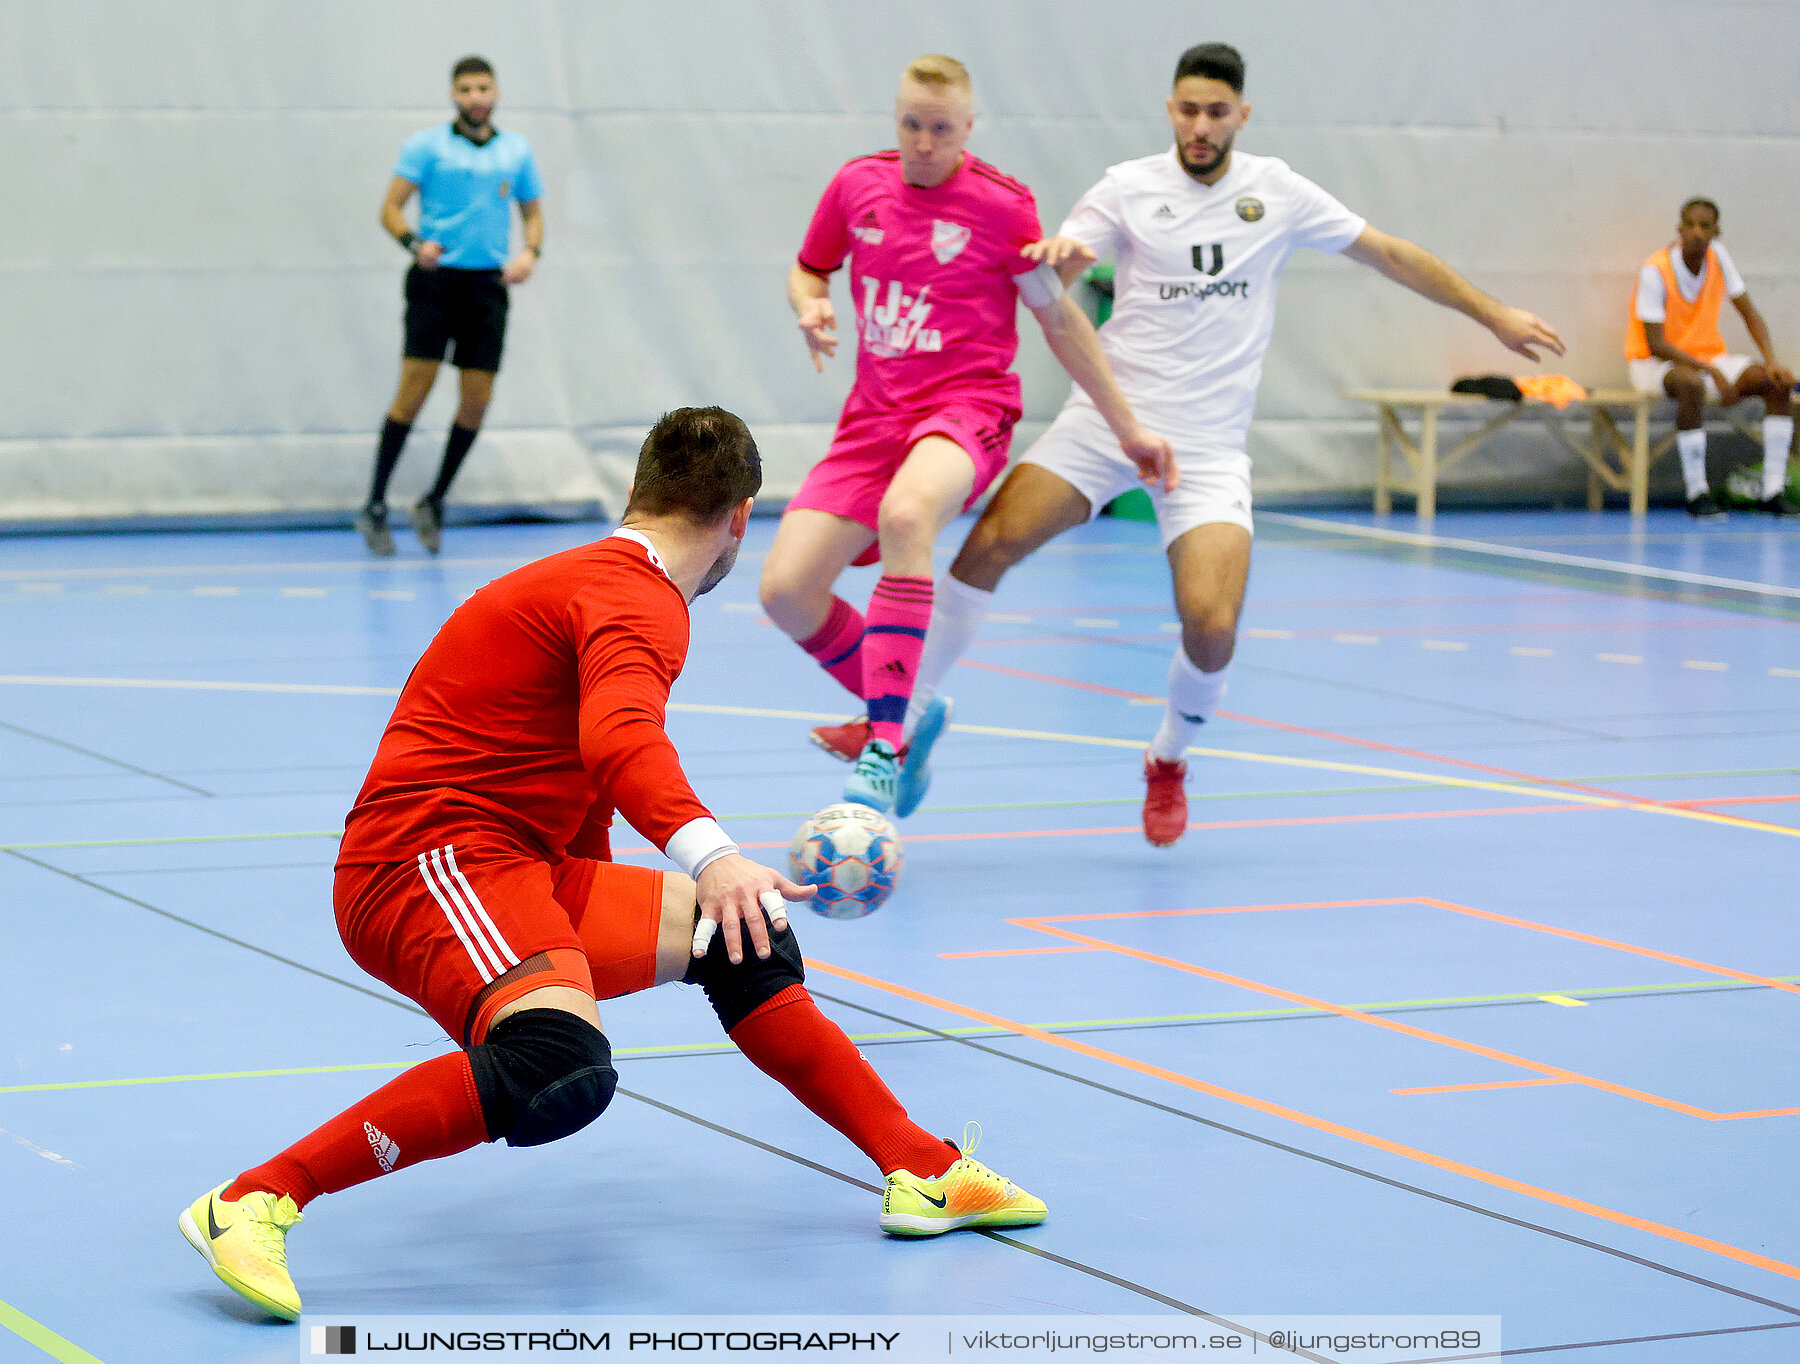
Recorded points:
(1614, 462)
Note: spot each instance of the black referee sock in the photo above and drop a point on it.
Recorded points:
(456, 450)
(387, 455)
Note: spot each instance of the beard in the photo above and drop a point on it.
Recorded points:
(720, 570)
(1208, 167)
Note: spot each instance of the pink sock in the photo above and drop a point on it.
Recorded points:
(837, 645)
(899, 612)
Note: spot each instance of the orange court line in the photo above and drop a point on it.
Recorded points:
(1592, 939)
(1324, 1125)
(1559, 1075)
(1375, 1020)
(1489, 1084)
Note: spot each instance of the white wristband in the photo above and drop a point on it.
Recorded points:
(1040, 287)
(697, 844)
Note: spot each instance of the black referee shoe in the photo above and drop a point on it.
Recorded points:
(1705, 508)
(428, 525)
(1782, 504)
(371, 522)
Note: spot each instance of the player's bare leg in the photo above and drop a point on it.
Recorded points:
(764, 1007)
(1032, 508)
(416, 379)
(1210, 565)
(476, 392)
(928, 490)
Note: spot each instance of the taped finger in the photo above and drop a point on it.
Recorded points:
(775, 906)
(703, 935)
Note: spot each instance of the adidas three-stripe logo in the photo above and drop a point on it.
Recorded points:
(467, 916)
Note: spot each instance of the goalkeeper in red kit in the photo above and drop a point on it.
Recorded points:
(475, 878)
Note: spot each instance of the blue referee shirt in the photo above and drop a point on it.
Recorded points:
(466, 191)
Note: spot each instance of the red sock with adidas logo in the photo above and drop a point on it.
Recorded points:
(893, 638)
(790, 1041)
(425, 1113)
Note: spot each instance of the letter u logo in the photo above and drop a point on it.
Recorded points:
(1218, 258)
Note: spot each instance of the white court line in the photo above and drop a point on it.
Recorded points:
(1543, 556)
(37, 1150)
(225, 570)
(172, 684)
(1550, 791)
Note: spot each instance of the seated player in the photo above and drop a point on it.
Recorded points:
(1674, 346)
(934, 239)
(475, 878)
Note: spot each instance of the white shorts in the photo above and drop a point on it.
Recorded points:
(1080, 449)
(1647, 375)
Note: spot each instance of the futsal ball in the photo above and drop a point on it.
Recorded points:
(852, 854)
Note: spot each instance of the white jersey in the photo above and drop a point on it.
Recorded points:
(1194, 287)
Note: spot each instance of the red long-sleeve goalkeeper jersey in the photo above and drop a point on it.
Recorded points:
(536, 712)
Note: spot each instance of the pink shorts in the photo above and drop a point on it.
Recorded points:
(870, 446)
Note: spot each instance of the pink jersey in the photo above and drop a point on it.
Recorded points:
(932, 278)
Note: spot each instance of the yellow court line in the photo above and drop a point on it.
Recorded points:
(36, 1333)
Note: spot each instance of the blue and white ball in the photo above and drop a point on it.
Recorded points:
(852, 854)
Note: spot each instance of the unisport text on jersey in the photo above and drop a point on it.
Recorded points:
(1229, 288)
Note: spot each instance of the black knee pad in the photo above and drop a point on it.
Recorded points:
(542, 1075)
(736, 991)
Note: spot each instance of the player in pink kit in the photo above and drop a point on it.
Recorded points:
(934, 238)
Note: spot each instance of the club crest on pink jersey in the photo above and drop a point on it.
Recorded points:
(947, 240)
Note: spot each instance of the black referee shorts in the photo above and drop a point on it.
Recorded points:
(460, 311)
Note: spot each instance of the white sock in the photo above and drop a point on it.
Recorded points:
(1193, 696)
(957, 611)
(1691, 446)
(1778, 435)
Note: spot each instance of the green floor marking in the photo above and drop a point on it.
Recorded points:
(919, 1035)
(33, 1333)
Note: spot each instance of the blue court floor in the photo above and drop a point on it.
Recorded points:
(1471, 989)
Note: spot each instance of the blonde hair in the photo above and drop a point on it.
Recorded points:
(934, 68)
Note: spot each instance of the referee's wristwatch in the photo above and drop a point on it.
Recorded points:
(409, 242)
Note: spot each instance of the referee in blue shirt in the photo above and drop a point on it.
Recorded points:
(467, 175)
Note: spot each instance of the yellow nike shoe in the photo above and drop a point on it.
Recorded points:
(968, 1194)
(245, 1241)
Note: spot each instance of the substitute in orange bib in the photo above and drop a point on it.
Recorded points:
(1674, 346)
(475, 879)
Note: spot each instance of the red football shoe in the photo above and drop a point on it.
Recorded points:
(1165, 801)
(845, 741)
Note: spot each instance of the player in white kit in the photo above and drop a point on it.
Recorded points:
(1199, 233)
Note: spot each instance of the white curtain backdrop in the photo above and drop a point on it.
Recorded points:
(203, 317)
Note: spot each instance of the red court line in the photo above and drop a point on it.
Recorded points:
(988, 835)
(1630, 802)
(1467, 1089)
(1013, 952)
(1549, 627)
(1058, 681)
(1317, 1124)
(1291, 822)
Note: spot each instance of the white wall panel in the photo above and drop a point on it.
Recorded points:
(206, 317)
